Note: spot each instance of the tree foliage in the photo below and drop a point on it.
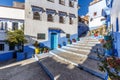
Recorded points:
(16, 38)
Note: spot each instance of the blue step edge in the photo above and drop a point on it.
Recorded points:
(44, 68)
(46, 71)
(91, 72)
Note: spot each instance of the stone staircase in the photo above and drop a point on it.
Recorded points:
(77, 61)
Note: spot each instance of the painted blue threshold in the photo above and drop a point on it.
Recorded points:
(91, 72)
(46, 71)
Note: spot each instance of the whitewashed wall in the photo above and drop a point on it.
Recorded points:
(97, 7)
(32, 27)
(9, 15)
(12, 13)
(115, 13)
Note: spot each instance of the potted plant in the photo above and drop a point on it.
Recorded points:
(48, 49)
(37, 50)
(44, 50)
(64, 43)
(59, 46)
(73, 40)
(36, 44)
(108, 47)
(69, 41)
(111, 65)
(78, 39)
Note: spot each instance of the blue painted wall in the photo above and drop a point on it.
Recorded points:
(60, 40)
(6, 56)
(116, 43)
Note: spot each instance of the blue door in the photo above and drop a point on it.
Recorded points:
(54, 40)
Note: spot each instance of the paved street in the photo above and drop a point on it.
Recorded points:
(23, 70)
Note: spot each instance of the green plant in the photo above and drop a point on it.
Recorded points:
(69, 41)
(108, 45)
(111, 65)
(16, 38)
(36, 44)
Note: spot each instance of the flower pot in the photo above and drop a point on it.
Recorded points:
(107, 38)
(108, 52)
(37, 50)
(59, 46)
(64, 43)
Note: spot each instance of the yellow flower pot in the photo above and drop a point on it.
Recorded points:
(37, 50)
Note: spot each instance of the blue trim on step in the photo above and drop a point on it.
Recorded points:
(46, 71)
(91, 71)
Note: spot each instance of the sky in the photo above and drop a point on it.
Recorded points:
(82, 11)
(83, 7)
(8, 2)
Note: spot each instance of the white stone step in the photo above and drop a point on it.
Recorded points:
(86, 63)
(66, 47)
(82, 47)
(62, 70)
(81, 53)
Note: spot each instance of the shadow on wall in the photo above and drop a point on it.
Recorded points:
(82, 30)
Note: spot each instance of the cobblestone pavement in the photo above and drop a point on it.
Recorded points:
(65, 71)
(23, 70)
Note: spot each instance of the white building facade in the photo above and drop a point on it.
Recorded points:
(10, 19)
(95, 14)
(115, 22)
(51, 22)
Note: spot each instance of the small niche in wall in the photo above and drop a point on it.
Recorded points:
(41, 36)
(67, 35)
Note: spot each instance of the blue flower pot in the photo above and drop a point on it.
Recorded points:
(108, 52)
(107, 37)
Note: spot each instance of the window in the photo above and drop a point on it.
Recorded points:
(67, 35)
(95, 13)
(40, 36)
(36, 16)
(1, 25)
(50, 18)
(71, 4)
(70, 20)
(14, 26)
(61, 19)
(6, 25)
(1, 47)
(51, 0)
(62, 2)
